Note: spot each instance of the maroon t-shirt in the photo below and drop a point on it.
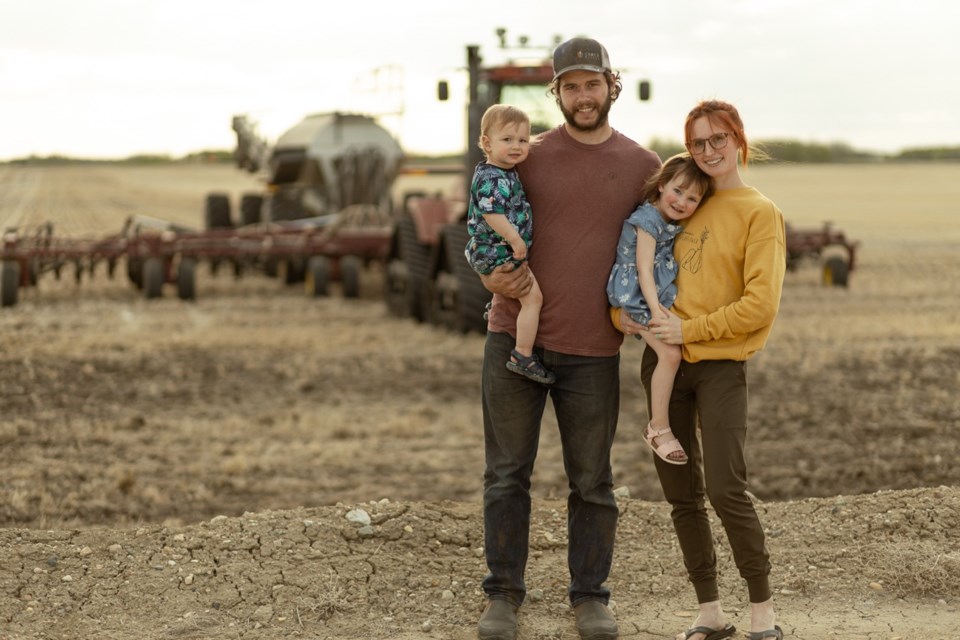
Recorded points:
(580, 194)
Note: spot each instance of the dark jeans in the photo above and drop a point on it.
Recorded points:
(586, 401)
(708, 415)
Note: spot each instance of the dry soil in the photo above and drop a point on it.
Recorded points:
(261, 464)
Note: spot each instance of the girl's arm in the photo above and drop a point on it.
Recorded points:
(646, 250)
(499, 223)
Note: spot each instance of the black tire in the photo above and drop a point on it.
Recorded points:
(417, 258)
(396, 288)
(317, 280)
(135, 271)
(292, 270)
(152, 278)
(472, 297)
(836, 272)
(187, 279)
(444, 296)
(250, 208)
(217, 212)
(351, 268)
(9, 283)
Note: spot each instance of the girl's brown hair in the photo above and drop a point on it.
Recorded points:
(683, 165)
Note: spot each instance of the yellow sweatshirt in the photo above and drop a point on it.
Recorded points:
(732, 257)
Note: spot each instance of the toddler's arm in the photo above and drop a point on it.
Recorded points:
(646, 250)
(499, 223)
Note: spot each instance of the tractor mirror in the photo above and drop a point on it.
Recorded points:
(644, 90)
(443, 91)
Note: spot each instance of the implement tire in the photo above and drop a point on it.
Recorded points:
(351, 267)
(187, 279)
(216, 214)
(152, 278)
(9, 282)
(836, 272)
(251, 205)
(317, 278)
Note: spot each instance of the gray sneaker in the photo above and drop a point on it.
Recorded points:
(498, 621)
(595, 621)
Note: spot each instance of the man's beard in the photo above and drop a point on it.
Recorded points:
(603, 110)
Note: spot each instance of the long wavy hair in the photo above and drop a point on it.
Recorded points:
(683, 165)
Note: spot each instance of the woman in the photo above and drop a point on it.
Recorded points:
(732, 260)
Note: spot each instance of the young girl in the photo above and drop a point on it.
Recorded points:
(501, 226)
(642, 279)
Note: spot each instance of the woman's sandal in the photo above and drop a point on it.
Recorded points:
(711, 634)
(776, 633)
(530, 367)
(664, 450)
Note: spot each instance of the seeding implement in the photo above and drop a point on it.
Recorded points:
(817, 245)
(315, 251)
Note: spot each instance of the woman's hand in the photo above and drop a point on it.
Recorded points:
(509, 280)
(670, 330)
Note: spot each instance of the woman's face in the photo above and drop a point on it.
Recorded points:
(703, 144)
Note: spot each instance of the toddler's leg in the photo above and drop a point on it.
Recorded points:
(528, 320)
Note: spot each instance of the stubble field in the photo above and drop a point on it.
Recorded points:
(185, 470)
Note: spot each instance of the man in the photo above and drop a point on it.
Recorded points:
(583, 179)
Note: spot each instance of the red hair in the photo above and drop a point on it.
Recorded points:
(722, 115)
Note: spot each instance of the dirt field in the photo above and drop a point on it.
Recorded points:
(198, 470)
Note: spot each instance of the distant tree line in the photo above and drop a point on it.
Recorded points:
(837, 152)
(198, 157)
(775, 150)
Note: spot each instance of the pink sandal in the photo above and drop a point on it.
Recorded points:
(664, 450)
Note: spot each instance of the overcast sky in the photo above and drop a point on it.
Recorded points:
(112, 78)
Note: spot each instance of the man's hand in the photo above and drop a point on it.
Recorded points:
(509, 280)
(628, 325)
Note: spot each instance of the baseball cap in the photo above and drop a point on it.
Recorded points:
(583, 54)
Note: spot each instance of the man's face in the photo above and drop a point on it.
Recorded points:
(585, 99)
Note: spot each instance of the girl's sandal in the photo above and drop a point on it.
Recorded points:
(664, 450)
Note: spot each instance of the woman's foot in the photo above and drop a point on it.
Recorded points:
(711, 617)
(763, 618)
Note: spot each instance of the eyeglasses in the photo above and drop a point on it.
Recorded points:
(699, 145)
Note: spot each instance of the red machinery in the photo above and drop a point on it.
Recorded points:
(318, 250)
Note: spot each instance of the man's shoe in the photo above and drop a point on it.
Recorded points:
(595, 621)
(498, 621)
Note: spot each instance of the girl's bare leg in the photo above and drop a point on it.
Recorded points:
(661, 384)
